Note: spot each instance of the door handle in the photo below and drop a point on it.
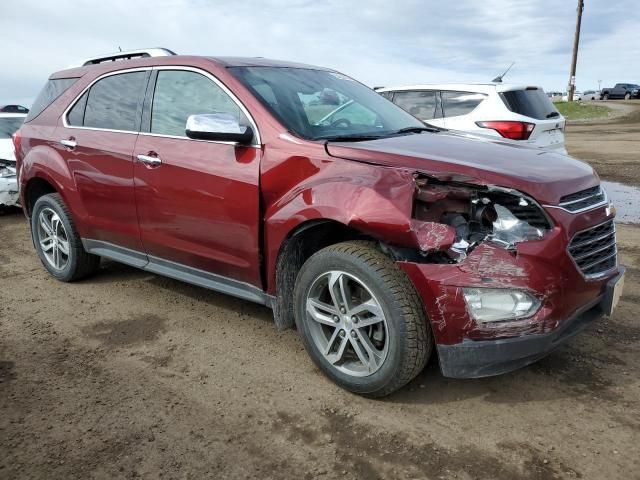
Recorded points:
(70, 143)
(149, 160)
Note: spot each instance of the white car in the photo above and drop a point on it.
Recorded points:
(518, 114)
(577, 97)
(555, 96)
(9, 124)
(590, 95)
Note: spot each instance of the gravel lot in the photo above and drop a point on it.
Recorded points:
(129, 375)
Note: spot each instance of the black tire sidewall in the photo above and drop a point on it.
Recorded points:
(323, 262)
(50, 201)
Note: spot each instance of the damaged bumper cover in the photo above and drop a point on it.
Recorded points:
(468, 348)
(475, 359)
(8, 185)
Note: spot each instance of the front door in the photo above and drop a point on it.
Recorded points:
(198, 201)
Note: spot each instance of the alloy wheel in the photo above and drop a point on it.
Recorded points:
(347, 323)
(53, 239)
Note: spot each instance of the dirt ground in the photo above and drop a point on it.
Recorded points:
(130, 375)
(612, 147)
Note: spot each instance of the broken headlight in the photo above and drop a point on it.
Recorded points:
(476, 214)
(498, 304)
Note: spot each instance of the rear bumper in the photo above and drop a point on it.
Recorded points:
(474, 359)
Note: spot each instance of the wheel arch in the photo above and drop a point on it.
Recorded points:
(35, 188)
(44, 171)
(301, 243)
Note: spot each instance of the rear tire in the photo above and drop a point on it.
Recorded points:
(605, 96)
(57, 242)
(361, 319)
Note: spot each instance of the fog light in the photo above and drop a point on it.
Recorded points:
(496, 304)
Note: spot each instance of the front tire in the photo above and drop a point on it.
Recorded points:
(57, 242)
(627, 96)
(360, 318)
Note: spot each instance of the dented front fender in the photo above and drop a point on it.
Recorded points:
(373, 200)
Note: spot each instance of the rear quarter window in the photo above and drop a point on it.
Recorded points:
(530, 102)
(52, 90)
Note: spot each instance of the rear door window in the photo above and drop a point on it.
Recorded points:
(52, 90)
(421, 104)
(180, 93)
(530, 102)
(455, 104)
(115, 102)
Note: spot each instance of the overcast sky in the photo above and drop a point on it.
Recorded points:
(379, 42)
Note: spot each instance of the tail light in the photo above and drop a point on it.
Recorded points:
(17, 142)
(509, 129)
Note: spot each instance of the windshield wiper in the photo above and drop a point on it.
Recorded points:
(352, 137)
(427, 128)
(553, 115)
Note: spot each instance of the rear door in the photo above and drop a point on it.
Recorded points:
(97, 137)
(532, 105)
(198, 201)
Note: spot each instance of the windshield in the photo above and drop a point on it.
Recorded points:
(9, 126)
(319, 104)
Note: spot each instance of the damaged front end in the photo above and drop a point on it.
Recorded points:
(492, 269)
(450, 219)
(8, 184)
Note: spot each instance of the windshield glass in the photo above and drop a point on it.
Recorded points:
(319, 104)
(9, 126)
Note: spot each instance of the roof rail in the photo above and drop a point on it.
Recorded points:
(128, 55)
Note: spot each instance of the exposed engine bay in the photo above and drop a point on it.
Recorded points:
(472, 214)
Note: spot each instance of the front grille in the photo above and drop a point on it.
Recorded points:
(594, 250)
(583, 199)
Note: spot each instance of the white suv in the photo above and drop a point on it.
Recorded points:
(9, 123)
(514, 113)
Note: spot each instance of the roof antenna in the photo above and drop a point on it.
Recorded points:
(119, 49)
(498, 79)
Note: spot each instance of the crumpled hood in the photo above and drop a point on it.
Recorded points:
(545, 176)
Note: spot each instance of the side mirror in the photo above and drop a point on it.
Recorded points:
(222, 127)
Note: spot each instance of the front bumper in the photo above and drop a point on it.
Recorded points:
(474, 359)
(544, 268)
(9, 189)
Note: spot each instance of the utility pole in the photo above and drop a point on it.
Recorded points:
(574, 60)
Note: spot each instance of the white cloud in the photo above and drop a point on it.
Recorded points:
(378, 42)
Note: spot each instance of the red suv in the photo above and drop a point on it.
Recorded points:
(301, 189)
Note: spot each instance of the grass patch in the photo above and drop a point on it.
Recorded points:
(581, 111)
